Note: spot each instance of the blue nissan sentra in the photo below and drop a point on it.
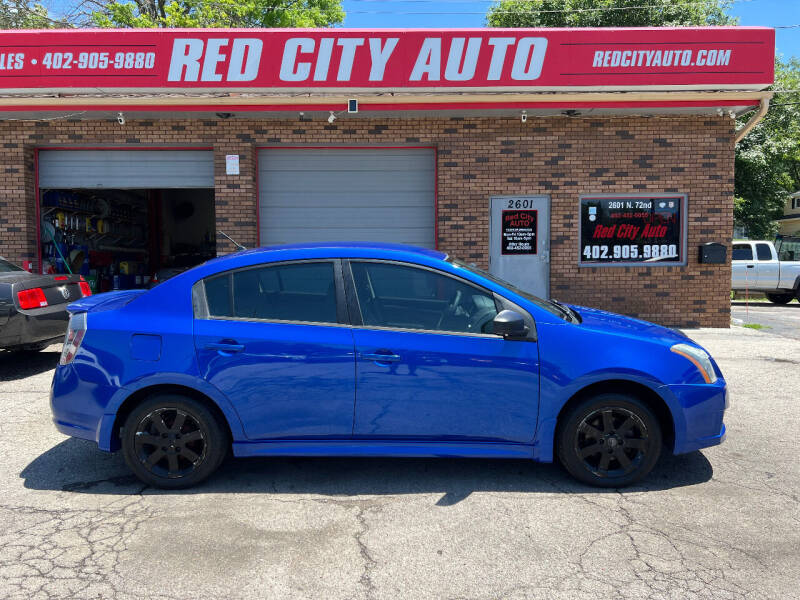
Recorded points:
(355, 349)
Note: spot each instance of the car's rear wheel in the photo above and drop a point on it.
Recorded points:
(173, 442)
(784, 298)
(609, 440)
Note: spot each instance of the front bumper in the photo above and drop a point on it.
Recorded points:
(701, 411)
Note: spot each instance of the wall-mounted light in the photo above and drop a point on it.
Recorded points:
(121, 118)
(524, 116)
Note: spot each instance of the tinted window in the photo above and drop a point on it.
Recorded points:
(296, 292)
(556, 309)
(763, 252)
(410, 298)
(218, 296)
(742, 252)
(7, 267)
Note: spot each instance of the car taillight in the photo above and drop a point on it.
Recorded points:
(86, 290)
(31, 298)
(76, 330)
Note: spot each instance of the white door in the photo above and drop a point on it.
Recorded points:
(768, 268)
(519, 242)
(743, 265)
(347, 194)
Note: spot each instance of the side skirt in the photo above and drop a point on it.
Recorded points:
(383, 448)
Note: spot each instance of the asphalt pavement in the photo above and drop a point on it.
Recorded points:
(778, 319)
(721, 523)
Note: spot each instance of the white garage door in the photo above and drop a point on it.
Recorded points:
(322, 195)
(126, 169)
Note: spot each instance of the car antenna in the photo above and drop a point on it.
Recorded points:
(233, 241)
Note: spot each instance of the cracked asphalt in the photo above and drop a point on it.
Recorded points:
(721, 523)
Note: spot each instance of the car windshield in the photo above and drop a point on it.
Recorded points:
(555, 308)
(7, 267)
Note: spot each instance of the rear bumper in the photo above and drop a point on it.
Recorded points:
(30, 327)
(702, 411)
(78, 406)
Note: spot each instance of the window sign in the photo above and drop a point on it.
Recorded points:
(644, 230)
(519, 231)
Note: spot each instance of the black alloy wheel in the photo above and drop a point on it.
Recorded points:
(610, 440)
(173, 442)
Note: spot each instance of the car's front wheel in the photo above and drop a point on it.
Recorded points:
(173, 442)
(609, 440)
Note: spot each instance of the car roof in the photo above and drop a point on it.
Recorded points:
(334, 249)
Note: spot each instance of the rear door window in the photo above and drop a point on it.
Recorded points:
(304, 292)
(763, 251)
(742, 252)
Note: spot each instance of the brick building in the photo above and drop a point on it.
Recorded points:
(596, 191)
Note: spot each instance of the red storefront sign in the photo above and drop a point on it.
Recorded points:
(475, 59)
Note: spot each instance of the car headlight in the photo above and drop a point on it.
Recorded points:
(699, 358)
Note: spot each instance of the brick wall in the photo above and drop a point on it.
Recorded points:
(477, 158)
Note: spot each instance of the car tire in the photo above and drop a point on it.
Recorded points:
(609, 440)
(780, 298)
(173, 442)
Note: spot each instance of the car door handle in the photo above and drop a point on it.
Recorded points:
(231, 347)
(380, 357)
(751, 266)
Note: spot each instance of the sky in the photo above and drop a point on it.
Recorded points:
(456, 13)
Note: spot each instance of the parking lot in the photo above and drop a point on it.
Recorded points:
(778, 319)
(722, 523)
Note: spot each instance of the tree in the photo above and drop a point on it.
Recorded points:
(608, 13)
(768, 158)
(217, 13)
(22, 14)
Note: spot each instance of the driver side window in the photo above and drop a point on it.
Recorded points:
(402, 297)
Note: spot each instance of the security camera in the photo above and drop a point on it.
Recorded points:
(524, 117)
(720, 112)
(331, 117)
(121, 118)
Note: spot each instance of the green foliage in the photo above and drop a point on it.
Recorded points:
(608, 13)
(220, 13)
(22, 14)
(768, 158)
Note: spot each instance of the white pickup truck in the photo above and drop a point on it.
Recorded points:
(767, 267)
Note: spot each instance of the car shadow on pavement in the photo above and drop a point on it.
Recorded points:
(78, 466)
(19, 365)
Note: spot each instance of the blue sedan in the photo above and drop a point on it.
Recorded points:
(375, 350)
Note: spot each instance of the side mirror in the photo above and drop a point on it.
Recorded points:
(510, 324)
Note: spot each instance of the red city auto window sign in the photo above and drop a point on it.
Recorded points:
(698, 58)
(634, 229)
(519, 231)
